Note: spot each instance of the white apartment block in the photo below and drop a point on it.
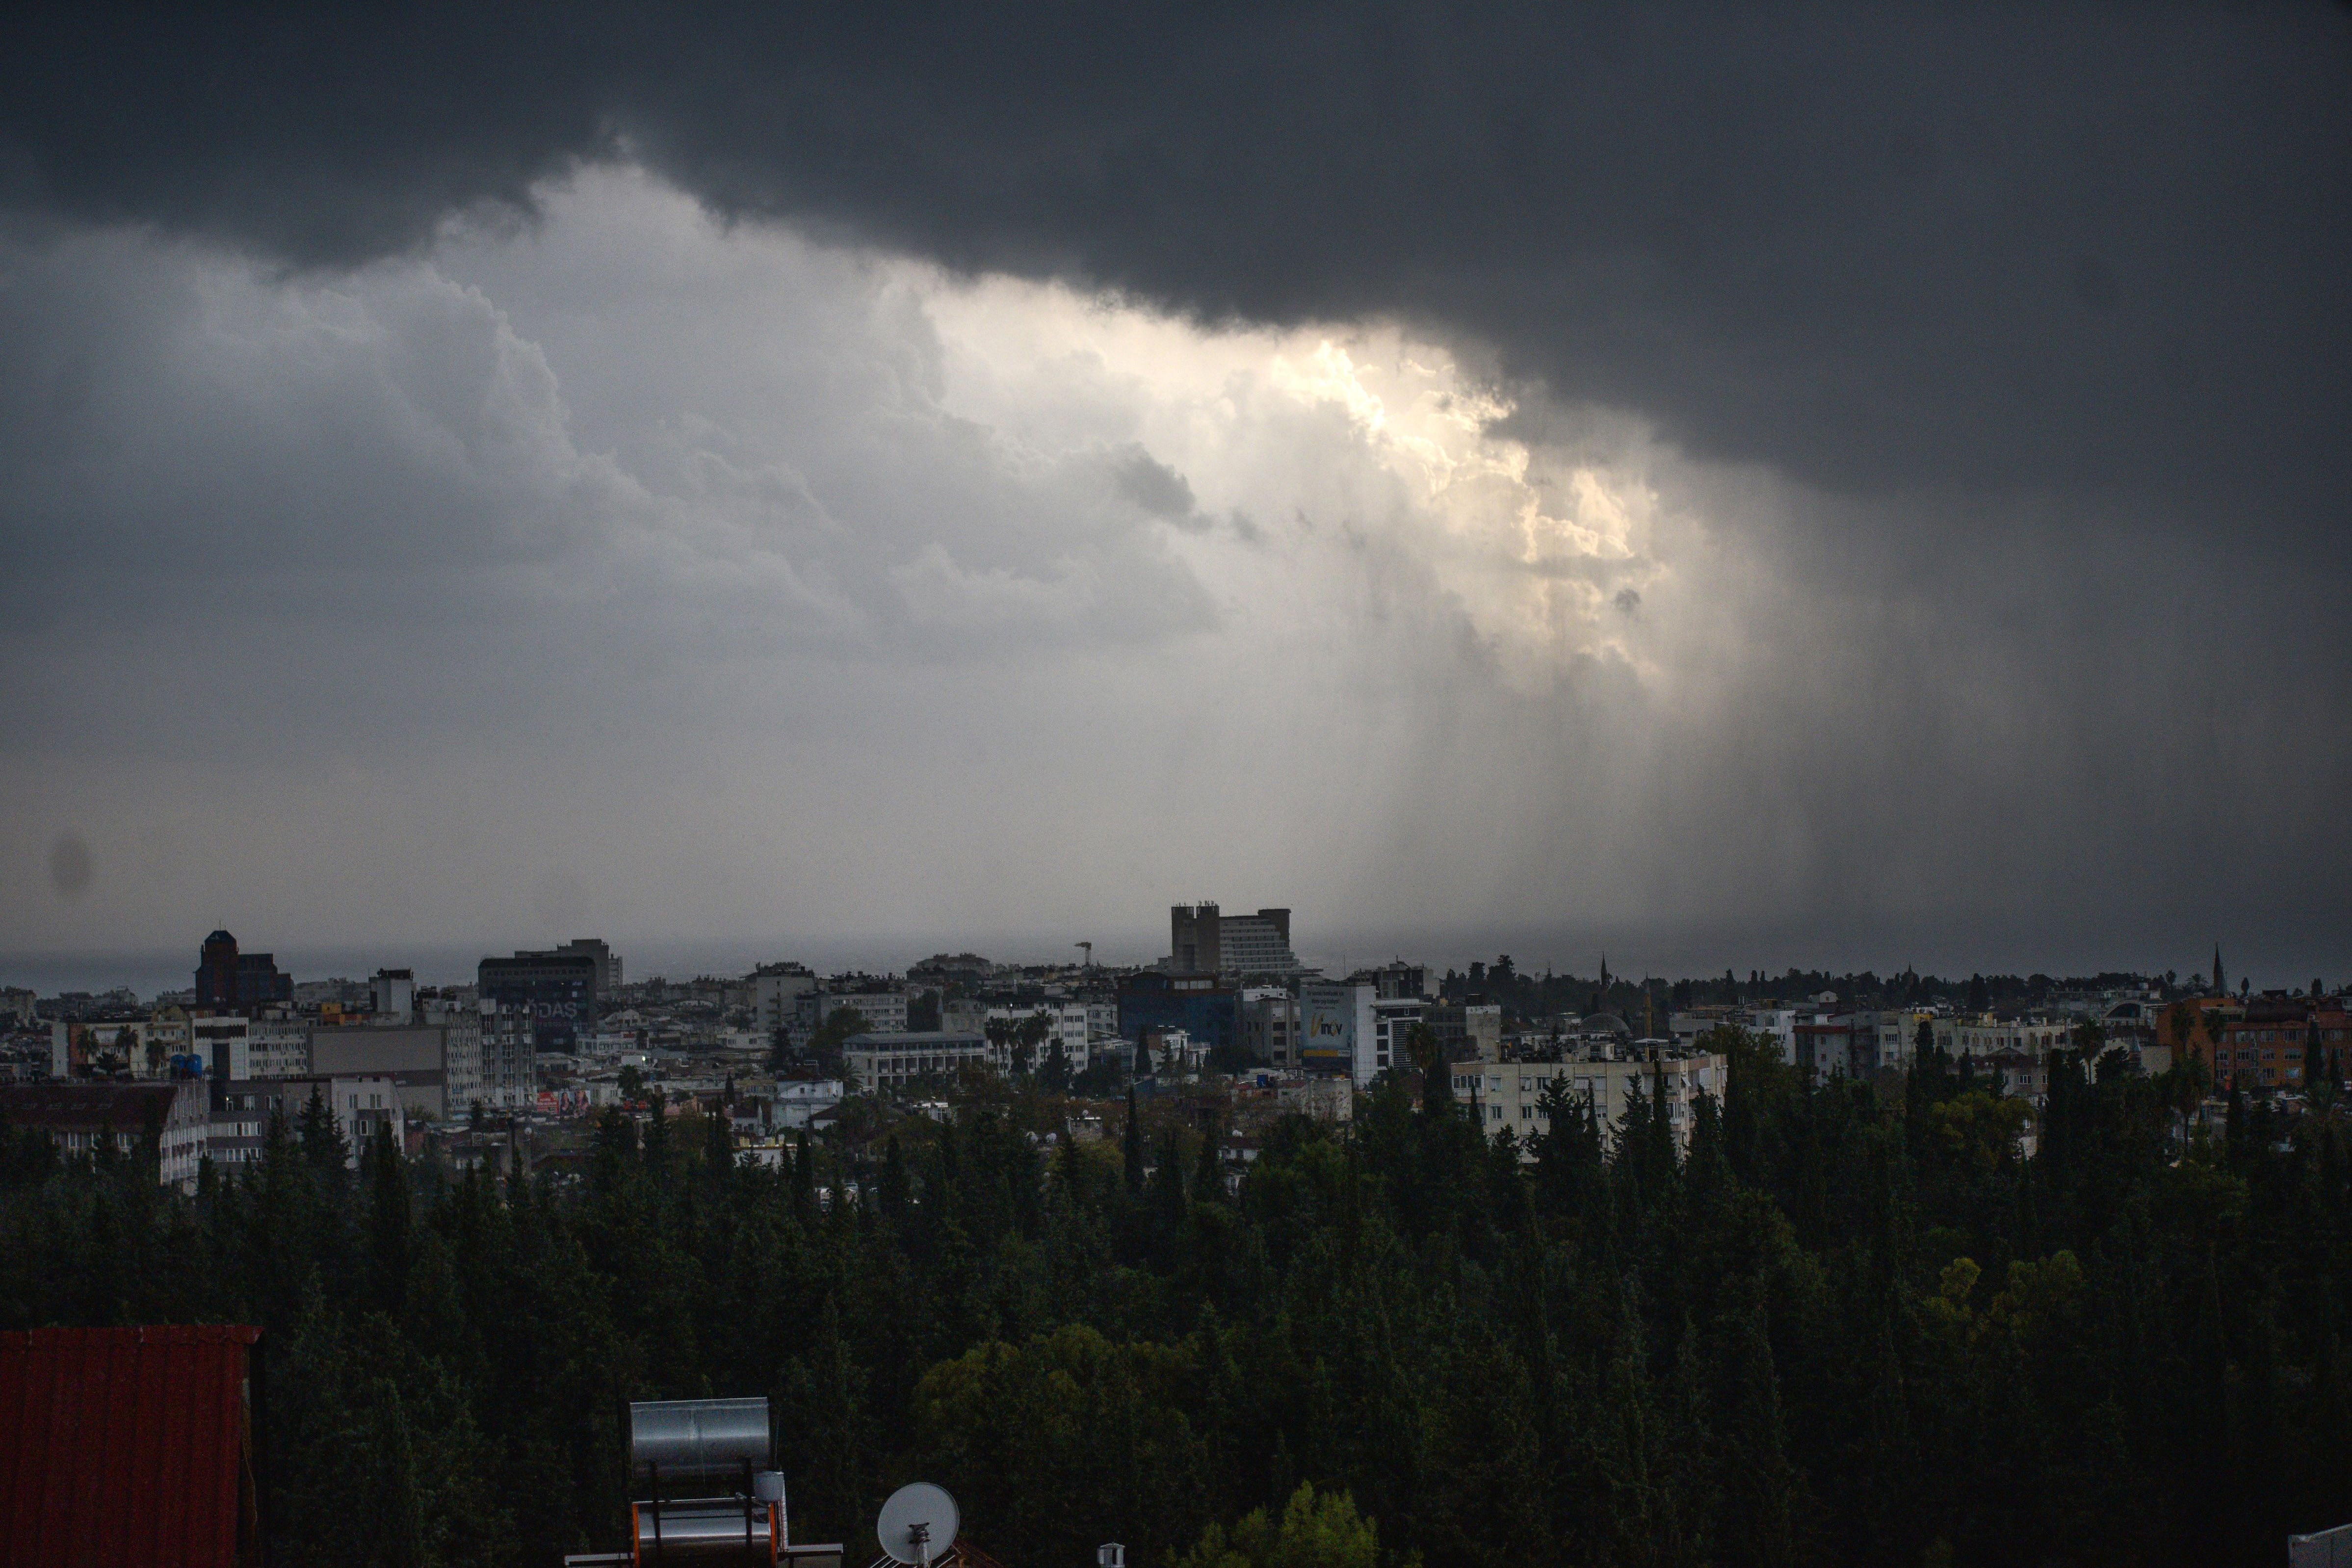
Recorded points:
(775, 994)
(1780, 1026)
(278, 1047)
(878, 1060)
(1071, 1023)
(885, 1011)
(1510, 1094)
(1897, 1032)
(1986, 1036)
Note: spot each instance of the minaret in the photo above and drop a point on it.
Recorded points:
(2220, 984)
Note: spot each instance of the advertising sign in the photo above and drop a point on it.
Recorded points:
(1327, 1029)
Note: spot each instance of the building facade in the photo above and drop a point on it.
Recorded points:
(1069, 1024)
(414, 1061)
(1204, 1007)
(228, 980)
(1269, 1017)
(878, 1061)
(556, 988)
(1202, 940)
(1330, 1013)
(884, 1008)
(81, 1117)
(508, 1036)
(775, 993)
(1510, 1095)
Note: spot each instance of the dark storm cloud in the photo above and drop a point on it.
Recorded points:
(1984, 373)
(2039, 250)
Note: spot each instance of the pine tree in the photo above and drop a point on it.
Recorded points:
(324, 1149)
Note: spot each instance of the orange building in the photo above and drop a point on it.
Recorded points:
(2263, 1048)
(2186, 1028)
(2332, 1024)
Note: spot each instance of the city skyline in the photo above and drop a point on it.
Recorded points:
(147, 974)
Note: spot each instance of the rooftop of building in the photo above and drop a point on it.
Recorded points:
(78, 1102)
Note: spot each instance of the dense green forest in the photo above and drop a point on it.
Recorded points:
(1843, 1329)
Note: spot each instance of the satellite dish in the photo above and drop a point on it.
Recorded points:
(917, 1524)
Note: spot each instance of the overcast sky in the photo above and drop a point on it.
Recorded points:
(1832, 488)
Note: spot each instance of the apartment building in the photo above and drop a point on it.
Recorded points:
(1510, 1095)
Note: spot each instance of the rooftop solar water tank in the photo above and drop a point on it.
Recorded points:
(697, 1439)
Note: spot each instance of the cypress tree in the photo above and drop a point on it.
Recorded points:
(1764, 1507)
(1132, 1145)
(895, 1190)
(1208, 1175)
(389, 1220)
(1661, 1159)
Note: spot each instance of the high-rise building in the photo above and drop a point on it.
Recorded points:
(1202, 940)
(608, 963)
(228, 980)
(559, 987)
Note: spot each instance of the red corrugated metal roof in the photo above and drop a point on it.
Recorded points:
(123, 1446)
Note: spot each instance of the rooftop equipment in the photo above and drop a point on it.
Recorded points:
(698, 1439)
(918, 1525)
(692, 1447)
(704, 1491)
